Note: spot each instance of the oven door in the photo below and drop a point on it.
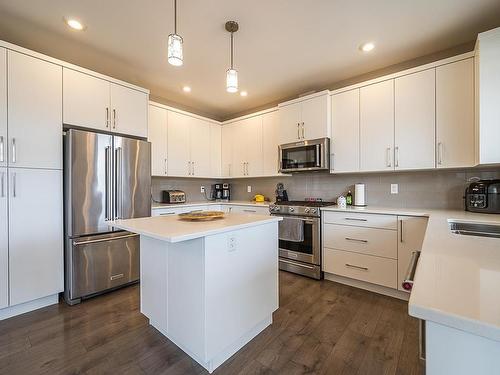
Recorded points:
(304, 156)
(307, 250)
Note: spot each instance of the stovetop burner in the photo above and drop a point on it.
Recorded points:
(305, 203)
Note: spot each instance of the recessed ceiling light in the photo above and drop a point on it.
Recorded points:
(186, 89)
(367, 47)
(74, 24)
(243, 93)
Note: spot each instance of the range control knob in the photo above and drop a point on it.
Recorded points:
(313, 210)
(306, 210)
(291, 209)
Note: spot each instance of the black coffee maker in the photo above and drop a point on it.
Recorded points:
(281, 194)
(217, 191)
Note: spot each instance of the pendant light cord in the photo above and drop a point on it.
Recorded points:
(231, 50)
(175, 17)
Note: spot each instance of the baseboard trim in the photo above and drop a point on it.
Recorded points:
(23, 308)
(368, 286)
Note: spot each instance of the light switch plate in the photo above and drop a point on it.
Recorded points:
(394, 189)
(202, 189)
(249, 189)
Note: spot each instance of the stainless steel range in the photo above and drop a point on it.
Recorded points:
(300, 236)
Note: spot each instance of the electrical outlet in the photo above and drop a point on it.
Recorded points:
(249, 189)
(394, 189)
(202, 189)
(231, 244)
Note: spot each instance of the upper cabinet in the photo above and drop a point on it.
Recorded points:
(455, 114)
(270, 142)
(96, 103)
(414, 115)
(3, 107)
(215, 150)
(488, 97)
(34, 113)
(305, 118)
(200, 147)
(377, 126)
(157, 135)
(344, 144)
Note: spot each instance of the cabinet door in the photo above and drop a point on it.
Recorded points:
(316, 117)
(215, 150)
(252, 128)
(270, 142)
(414, 111)
(239, 158)
(86, 100)
(178, 159)
(455, 114)
(290, 123)
(4, 243)
(35, 243)
(345, 132)
(226, 151)
(3, 107)
(157, 135)
(411, 234)
(129, 111)
(377, 126)
(200, 147)
(34, 112)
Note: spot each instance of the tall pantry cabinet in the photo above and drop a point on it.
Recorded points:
(31, 225)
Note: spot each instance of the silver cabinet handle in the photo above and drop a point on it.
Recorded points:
(189, 168)
(107, 117)
(410, 272)
(357, 267)
(303, 132)
(116, 277)
(298, 130)
(2, 159)
(355, 239)
(114, 118)
(192, 167)
(165, 166)
(388, 156)
(401, 237)
(249, 211)
(167, 213)
(14, 190)
(354, 219)
(396, 156)
(2, 182)
(440, 153)
(14, 151)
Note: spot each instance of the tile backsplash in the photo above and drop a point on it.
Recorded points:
(422, 189)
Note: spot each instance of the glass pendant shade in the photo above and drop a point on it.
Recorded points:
(175, 50)
(231, 80)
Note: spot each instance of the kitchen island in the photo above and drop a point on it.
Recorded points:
(210, 287)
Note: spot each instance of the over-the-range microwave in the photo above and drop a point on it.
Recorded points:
(305, 156)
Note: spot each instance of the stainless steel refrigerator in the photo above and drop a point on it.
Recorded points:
(106, 177)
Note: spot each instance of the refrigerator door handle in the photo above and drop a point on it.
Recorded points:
(108, 184)
(119, 184)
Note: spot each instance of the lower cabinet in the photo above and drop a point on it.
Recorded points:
(35, 200)
(225, 207)
(245, 209)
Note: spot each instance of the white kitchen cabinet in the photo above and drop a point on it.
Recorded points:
(129, 111)
(414, 122)
(3, 107)
(86, 100)
(377, 126)
(199, 135)
(245, 209)
(179, 162)
(157, 135)
(488, 97)
(253, 146)
(35, 258)
(4, 240)
(171, 211)
(344, 146)
(270, 142)
(411, 234)
(96, 103)
(226, 150)
(308, 118)
(455, 114)
(34, 112)
(215, 150)
(238, 152)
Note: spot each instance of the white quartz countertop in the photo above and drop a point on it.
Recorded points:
(457, 282)
(173, 229)
(156, 206)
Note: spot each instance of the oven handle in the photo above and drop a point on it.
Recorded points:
(296, 263)
(318, 156)
(410, 272)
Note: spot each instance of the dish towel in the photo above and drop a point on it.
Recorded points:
(291, 229)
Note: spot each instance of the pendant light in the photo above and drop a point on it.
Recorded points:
(232, 74)
(175, 43)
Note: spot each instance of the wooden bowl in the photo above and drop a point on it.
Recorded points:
(202, 215)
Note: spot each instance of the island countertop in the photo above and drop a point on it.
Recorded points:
(173, 229)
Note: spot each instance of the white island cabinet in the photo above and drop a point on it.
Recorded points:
(210, 287)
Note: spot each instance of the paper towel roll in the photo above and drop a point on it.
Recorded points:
(359, 195)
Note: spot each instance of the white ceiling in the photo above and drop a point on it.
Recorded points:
(283, 48)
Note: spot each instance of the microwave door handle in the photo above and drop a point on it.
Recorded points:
(318, 156)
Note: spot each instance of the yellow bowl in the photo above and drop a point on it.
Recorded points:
(259, 198)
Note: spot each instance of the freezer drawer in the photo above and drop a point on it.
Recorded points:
(103, 262)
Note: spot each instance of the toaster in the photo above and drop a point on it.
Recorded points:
(173, 196)
(483, 196)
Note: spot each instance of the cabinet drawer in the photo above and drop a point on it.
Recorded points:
(376, 270)
(249, 210)
(371, 241)
(176, 211)
(362, 220)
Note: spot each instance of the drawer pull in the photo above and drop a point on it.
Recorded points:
(116, 277)
(249, 211)
(167, 213)
(357, 267)
(410, 272)
(354, 219)
(356, 240)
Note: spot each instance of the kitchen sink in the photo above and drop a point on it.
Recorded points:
(475, 229)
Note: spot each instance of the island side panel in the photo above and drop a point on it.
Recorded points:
(154, 282)
(241, 281)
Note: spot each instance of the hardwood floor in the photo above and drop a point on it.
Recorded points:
(320, 328)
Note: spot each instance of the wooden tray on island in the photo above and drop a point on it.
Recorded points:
(202, 215)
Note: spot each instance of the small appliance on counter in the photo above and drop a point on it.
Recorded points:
(173, 196)
(359, 195)
(281, 194)
(217, 192)
(483, 196)
(226, 191)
